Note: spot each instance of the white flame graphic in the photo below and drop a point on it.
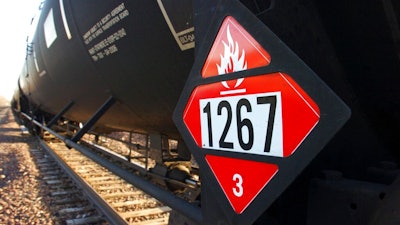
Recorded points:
(231, 61)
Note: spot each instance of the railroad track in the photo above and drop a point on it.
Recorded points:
(67, 202)
(115, 196)
(101, 175)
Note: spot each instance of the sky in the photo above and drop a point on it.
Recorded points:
(15, 19)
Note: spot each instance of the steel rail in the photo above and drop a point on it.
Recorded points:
(111, 215)
(189, 210)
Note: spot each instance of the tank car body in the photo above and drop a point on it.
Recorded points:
(85, 58)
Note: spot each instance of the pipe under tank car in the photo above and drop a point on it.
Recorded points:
(86, 51)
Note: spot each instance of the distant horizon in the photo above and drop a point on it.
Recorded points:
(4, 100)
(15, 19)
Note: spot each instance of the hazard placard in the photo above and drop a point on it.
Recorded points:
(253, 115)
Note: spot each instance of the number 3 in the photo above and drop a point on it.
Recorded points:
(238, 190)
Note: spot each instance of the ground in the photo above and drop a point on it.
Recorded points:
(24, 198)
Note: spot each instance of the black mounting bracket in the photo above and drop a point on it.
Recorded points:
(97, 115)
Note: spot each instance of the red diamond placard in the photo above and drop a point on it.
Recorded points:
(234, 50)
(241, 180)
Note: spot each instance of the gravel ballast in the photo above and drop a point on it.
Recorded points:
(24, 197)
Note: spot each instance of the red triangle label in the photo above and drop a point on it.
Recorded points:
(234, 49)
(241, 180)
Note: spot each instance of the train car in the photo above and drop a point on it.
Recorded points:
(69, 41)
(118, 65)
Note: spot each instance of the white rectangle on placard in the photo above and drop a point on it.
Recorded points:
(249, 123)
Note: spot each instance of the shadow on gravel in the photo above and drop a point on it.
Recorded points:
(9, 129)
(4, 107)
(4, 117)
(9, 164)
(10, 157)
(11, 138)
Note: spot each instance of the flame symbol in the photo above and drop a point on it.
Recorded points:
(231, 61)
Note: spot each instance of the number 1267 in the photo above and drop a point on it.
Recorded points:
(247, 123)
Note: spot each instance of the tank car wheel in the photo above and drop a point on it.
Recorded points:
(177, 171)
